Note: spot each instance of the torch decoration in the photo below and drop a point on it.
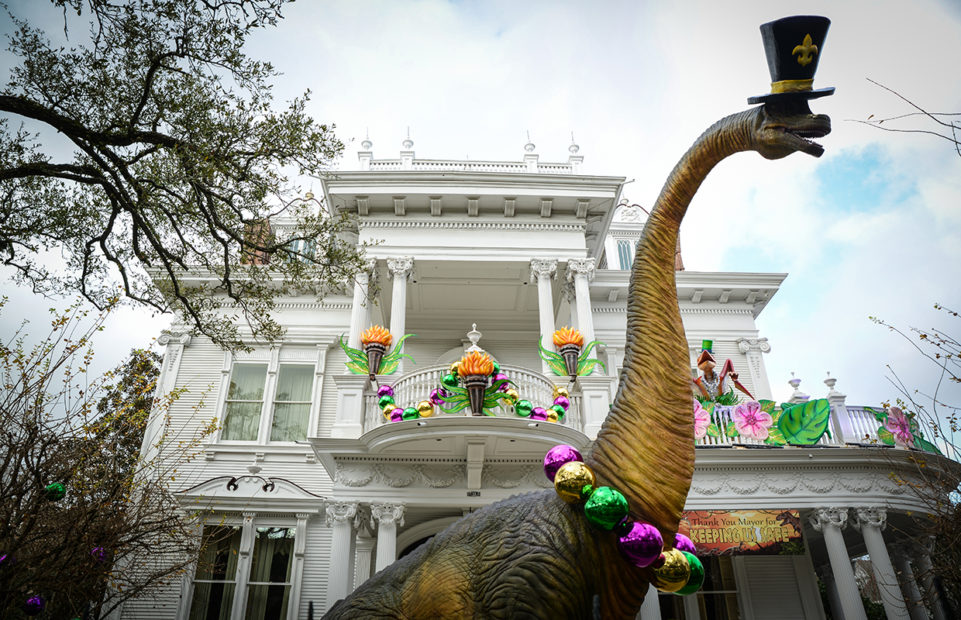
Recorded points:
(573, 358)
(374, 358)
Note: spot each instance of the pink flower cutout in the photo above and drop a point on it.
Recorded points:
(751, 421)
(900, 426)
(702, 419)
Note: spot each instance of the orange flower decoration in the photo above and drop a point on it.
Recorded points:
(475, 363)
(377, 334)
(568, 335)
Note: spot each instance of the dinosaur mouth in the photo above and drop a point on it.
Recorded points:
(813, 127)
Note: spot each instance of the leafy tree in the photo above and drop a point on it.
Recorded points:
(83, 517)
(147, 149)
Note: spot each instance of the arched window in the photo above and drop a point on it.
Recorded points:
(624, 254)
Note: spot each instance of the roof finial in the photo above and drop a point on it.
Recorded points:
(529, 147)
(366, 144)
(408, 143)
(573, 148)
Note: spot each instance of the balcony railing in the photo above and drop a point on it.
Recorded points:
(416, 386)
(862, 422)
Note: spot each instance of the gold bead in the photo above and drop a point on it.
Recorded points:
(387, 409)
(425, 408)
(674, 573)
(570, 479)
(560, 390)
(512, 395)
(454, 368)
(551, 415)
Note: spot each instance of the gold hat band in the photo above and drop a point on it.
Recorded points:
(791, 86)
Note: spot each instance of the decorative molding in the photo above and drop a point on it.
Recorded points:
(760, 345)
(400, 267)
(441, 476)
(583, 267)
(825, 517)
(504, 476)
(340, 512)
(543, 267)
(387, 514)
(311, 305)
(875, 516)
(474, 225)
(173, 337)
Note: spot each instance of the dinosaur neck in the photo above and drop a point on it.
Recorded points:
(645, 448)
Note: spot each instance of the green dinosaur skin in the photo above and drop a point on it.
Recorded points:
(533, 556)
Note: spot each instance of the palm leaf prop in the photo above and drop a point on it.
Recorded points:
(803, 424)
(554, 360)
(457, 399)
(356, 359)
(712, 429)
(390, 362)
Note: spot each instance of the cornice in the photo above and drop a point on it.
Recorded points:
(466, 225)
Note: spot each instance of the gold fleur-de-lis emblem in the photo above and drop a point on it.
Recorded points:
(807, 49)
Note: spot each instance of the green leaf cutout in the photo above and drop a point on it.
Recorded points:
(586, 366)
(924, 444)
(880, 416)
(391, 360)
(713, 431)
(553, 360)
(358, 359)
(730, 430)
(803, 424)
(767, 406)
(886, 437)
(775, 437)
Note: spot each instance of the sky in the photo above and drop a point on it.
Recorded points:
(869, 229)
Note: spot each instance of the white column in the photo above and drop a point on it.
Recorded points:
(243, 564)
(360, 307)
(871, 521)
(387, 517)
(400, 269)
(926, 572)
(297, 569)
(840, 421)
(580, 271)
(909, 585)
(340, 517)
(834, 599)
(753, 348)
(175, 342)
(543, 270)
(830, 522)
(650, 609)
(362, 563)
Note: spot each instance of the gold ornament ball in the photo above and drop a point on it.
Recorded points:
(570, 479)
(512, 395)
(425, 408)
(674, 573)
(551, 415)
(454, 368)
(560, 390)
(387, 409)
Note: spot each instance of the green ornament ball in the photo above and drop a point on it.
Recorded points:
(55, 491)
(449, 380)
(497, 369)
(696, 579)
(605, 508)
(523, 408)
(559, 410)
(411, 413)
(385, 400)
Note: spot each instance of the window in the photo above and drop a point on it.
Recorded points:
(624, 254)
(268, 588)
(264, 578)
(717, 598)
(288, 412)
(216, 576)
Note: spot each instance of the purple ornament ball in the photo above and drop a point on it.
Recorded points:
(683, 543)
(99, 554)
(396, 415)
(502, 377)
(563, 401)
(641, 545)
(539, 413)
(34, 605)
(385, 390)
(436, 396)
(558, 456)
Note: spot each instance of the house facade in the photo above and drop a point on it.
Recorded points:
(311, 489)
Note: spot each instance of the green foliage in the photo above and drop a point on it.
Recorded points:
(357, 359)
(585, 364)
(177, 158)
(803, 424)
(553, 360)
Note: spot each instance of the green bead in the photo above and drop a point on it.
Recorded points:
(523, 408)
(557, 408)
(411, 413)
(586, 491)
(55, 491)
(606, 507)
(385, 400)
(696, 580)
(497, 368)
(449, 380)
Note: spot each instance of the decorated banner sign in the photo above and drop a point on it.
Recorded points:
(735, 532)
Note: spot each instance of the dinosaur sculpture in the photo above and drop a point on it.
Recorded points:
(534, 556)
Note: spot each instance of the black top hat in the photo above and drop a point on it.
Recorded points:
(793, 46)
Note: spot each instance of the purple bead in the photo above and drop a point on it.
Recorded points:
(34, 605)
(99, 554)
(502, 377)
(557, 456)
(385, 390)
(563, 401)
(396, 415)
(641, 545)
(539, 413)
(436, 396)
(683, 543)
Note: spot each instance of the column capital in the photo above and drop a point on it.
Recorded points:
(400, 267)
(340, 512)
(168, 336)
(822, 517)
(875, 516)
(388, 514)
(543, 268)
(580, 267)
(745, 345)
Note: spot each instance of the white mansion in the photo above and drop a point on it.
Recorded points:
(318, 490)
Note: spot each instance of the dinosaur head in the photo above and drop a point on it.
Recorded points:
(786, 126)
